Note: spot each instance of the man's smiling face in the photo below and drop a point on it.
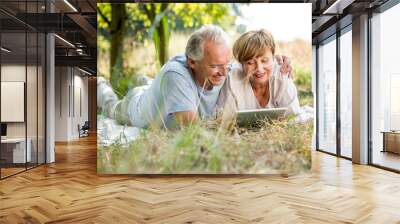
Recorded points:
(212, 68)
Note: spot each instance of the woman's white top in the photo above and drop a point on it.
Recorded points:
(282, 91)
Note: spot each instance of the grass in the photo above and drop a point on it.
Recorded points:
(282, 147)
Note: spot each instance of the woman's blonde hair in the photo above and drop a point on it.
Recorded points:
(253, 44)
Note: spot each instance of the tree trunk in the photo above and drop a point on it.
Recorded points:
(163, 35)
(161, 30)
(118, 28)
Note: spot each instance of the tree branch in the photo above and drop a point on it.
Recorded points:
(104, 17)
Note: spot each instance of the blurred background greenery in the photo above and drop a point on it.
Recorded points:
(137, 39)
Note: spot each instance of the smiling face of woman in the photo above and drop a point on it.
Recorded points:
(255, 50)
(259, 68)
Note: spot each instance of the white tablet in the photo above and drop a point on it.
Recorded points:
(253, 117)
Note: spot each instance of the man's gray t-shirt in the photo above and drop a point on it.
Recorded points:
(173, 90)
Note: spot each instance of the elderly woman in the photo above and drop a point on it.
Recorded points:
(257, 81)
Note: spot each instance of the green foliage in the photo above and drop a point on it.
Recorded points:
(303, 82)
(189, 16)
(136, 20)
(113, 18)
(281, 147)
(105, 9)
(126, 81)
(142, 22)
(159, 30)
(102, 45)
(181, 17)
(303, 78)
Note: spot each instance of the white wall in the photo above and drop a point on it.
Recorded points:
(61, 114)
(14, 73)
(33, 126)
(70, 83)
(80, 118)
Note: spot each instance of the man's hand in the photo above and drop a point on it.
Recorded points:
(286, 67)
(186, 117)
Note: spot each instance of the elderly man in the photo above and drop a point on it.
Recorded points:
(188, 87)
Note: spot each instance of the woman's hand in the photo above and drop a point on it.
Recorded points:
(286, 67)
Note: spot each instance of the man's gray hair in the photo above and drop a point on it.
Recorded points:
(195, 48)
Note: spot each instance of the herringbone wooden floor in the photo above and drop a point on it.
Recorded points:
(69, 191)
